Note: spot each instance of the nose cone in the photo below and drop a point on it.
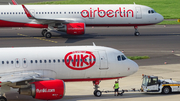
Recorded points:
(134, 66)
(160, 18)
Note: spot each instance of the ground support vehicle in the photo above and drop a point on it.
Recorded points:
(154, 84)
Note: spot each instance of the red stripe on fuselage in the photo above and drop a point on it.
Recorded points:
(18, 24)
(117, 25)
(89, 79)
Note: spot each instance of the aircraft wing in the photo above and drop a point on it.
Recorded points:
(8, 78)
(50, 20)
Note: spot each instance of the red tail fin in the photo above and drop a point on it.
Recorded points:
(14, 2)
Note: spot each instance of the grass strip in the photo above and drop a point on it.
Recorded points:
(138, 57)
(169, 22)
(168, 8)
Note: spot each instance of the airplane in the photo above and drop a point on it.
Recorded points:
(40, 72)
(73, 19)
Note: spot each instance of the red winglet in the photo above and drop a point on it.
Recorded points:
(27, 12)
(14, 2)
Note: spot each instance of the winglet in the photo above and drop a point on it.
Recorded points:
(29, 15)
(14, 2)
(94, 44)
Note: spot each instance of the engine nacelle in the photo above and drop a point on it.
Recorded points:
(73, 28)
(45, 90)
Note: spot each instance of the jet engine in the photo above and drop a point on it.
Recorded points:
(45, 90)
(73, 28)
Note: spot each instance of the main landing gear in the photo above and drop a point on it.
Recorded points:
(97, 92)
(2, 98)
(46, 33)
(136, 33)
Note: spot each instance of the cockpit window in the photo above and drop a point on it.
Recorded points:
(151, 11)
(123, 57)
(119, 58)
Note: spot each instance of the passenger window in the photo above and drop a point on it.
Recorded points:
(149, 11)
(58, 60)
(49, 61)
(45, 61)
(31, 61)
(60, 12)
(67, 60)
(64, 12)
(119, 58)
(94, 59)
(17, 62)
(36, 12)
(36, 61)
(45, 12)
(7, 62)
(42, 12)
(24, 61)
(40, 61)
(12, 62)
(2, 62)
(56, 12)
(123, 57)
(62, 60)
(54, 61)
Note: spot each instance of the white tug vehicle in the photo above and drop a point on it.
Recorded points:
(154, 84)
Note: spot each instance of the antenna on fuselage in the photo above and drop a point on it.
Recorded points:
(94, 44)
(134, 3)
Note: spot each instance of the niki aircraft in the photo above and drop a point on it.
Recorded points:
(73, 19)
(36, 73)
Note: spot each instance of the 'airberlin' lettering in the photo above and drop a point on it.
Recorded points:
(109, 13)
(80, 60)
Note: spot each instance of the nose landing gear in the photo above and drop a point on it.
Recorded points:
(136, 33)
(97, 92)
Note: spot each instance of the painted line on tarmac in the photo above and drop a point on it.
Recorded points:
(177, 54)
(38, 38)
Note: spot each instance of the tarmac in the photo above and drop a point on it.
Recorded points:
(159, 42)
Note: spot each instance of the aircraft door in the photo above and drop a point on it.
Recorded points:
(138, 13)
(103, 60)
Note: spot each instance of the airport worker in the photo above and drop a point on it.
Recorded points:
(116, 87)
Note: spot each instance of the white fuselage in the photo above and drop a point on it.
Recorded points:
(91, 15)
(74, 63)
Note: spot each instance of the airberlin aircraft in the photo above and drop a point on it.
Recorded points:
(42, 76)
(73, 19)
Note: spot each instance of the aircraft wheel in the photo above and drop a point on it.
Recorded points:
(44, 32)
(48, 35)
(136, 33)
(2, 98)
(166, 90)
(97, 93)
